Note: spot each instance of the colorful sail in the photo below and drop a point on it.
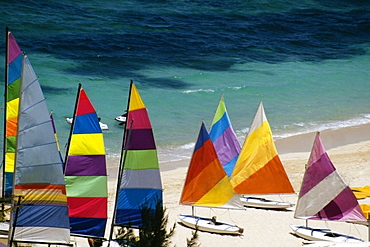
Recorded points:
(86, 173)
(12, 91)
(258, 169)
(140, 184)
(324, 195)
(38, 181)
(224, 139)
(206, 183)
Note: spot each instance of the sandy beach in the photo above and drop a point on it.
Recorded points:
(349, 150)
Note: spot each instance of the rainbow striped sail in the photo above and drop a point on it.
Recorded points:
(12, 90)
(324, 195)
(258, 169)
(86, 173)
(224, 139)
(140, 183)
(206, 182)
(38, 180)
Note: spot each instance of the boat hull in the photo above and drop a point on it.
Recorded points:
(264, 203)
(121, 119)
(204, 224)
(317, 234)
(4, 227)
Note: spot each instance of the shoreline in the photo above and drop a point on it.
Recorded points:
(331, 138)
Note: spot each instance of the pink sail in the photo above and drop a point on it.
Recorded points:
(324, 195)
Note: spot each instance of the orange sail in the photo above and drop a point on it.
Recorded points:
(258, 169)
(206, 182)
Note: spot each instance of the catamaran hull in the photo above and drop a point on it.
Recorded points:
(264, 203)
(317, 234)
(204, 224)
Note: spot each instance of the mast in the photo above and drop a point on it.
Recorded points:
(73, 123)
(5, 110)
(121, 165)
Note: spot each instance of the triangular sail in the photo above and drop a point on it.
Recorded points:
(206, 182)
(12, 90)
(140, 183)
(86, 173)
(39, 181)
(324, 195)
(224, 139)
(258, 169)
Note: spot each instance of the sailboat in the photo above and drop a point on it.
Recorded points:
(86, 172)
(139, 181)
(40, 212)
(258, 170)
(224, 139)
(207, 185)
(325, 196)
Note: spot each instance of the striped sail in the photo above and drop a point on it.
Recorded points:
(12, 90)
(258, 169)
(206, 182)
(224, 139)
(39, 181)
(85, 172)
(140, 184)
(324, 195)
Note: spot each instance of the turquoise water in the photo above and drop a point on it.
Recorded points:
(307, 61)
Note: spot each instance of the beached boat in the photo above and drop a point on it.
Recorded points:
(139, 182)
(207, 185)
(258, 202)
(258, 169)
(361, 192)
(224, 139)
(103, 126)
(86, 172)
(335, 244)
(204, 224)
(325, 196)
(40, 212)
(319, 234)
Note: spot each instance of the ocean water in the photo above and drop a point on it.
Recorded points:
(307, 61)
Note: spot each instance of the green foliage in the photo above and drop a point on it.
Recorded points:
(5, 208)
(193, 241)
(126, 237)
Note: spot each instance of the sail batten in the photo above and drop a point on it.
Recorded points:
(38, 175)
(140, 182)
(86, 172)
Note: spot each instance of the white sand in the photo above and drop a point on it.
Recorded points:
(349, 150)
